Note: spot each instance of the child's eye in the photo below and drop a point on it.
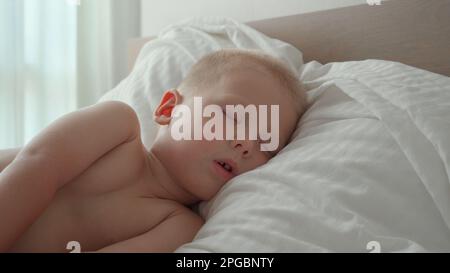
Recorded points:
(228, 116)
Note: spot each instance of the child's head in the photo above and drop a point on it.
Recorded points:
(226, 77)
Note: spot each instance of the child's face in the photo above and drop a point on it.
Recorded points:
(195, 164)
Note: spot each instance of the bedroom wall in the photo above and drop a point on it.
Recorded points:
(156, 14)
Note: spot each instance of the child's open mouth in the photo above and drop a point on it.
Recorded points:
(225, 168)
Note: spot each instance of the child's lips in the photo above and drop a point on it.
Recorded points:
(229, 163)
(225, 168)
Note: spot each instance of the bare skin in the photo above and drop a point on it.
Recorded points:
(102, 206)
(112, 195)
(114, 199)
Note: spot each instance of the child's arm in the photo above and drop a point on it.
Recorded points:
(7, 156)
(54, 157)
(177, 229)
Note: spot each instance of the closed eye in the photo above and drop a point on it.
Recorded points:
(225, 113)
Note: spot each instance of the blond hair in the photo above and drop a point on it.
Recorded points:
(208, 70)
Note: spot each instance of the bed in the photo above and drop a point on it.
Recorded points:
(367, 168)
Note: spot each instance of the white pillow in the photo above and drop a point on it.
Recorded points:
(368, 165)
(164, 61)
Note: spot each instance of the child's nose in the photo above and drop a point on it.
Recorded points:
(244, 147)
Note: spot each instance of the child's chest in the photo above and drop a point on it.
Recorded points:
(106, 204)
(93, 222)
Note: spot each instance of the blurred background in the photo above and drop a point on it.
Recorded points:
(57, 56)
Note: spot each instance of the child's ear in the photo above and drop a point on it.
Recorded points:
(163, 113)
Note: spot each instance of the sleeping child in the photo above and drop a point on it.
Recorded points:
(88, 178)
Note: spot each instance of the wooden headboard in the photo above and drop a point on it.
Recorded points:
(414, 32)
